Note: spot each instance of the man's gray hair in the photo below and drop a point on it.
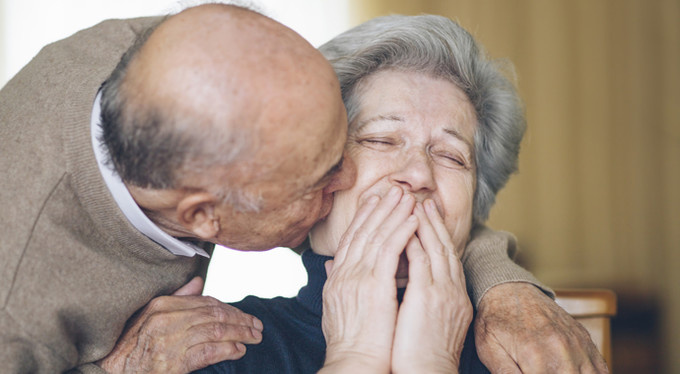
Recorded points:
(439, 47)
(150, 148)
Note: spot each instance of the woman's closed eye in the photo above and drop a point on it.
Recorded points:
(451, 161)
(378, 142)
(450, 158)
(454, 160)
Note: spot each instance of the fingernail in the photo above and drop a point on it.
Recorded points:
(257, 334)
(240, 347)
(257, 324)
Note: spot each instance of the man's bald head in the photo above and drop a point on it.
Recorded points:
(217, 51)
(228, 127)
(205, 85)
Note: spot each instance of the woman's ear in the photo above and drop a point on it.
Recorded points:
(197, 212)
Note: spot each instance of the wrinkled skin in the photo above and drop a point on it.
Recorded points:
(365, 328)
(518, 329)
(181, 333)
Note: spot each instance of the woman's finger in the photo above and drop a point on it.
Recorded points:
(390, 238)
(438, 224)
(442, 232)
(419, 269)
(359, 238)
(360, 217)
(388, 254)
(438, 251)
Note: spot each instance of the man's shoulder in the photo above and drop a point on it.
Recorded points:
(114, 36)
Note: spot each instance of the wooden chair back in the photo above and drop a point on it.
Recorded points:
(593, 308)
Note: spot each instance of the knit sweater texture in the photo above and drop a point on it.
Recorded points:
(72, 268)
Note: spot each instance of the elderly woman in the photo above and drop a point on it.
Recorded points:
(434, 131)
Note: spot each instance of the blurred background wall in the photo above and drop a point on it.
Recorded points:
(597, 199)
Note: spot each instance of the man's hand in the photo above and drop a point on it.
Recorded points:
(518, 329)
(182, 333)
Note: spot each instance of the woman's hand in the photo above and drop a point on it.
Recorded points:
(436, 311)
(359, 297)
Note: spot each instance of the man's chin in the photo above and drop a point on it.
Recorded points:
(297, 241)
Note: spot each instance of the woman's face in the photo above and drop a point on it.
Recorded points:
(412, 131)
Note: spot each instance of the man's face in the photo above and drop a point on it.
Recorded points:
(294, 176)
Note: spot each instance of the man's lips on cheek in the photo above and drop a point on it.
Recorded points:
(326, 207)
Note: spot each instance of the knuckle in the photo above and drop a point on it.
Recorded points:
(228, 313)
(156, 321)
(211, 300)
(217, 312)
(220, 332)
(205, 355)
(215, 331)
(158, 303)
(345, 240)
(440, 249)
(378, 237)
(560, 343)
(362, 234)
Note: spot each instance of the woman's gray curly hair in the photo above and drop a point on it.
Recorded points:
(440, 47)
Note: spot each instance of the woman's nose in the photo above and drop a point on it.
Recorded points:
(344, 178)
(415, 173)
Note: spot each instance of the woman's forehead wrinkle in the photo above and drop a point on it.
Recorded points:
(380, 117)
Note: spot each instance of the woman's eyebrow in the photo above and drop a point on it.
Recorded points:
(380, 117)
(456, 134)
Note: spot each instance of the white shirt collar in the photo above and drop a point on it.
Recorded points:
(125, 201)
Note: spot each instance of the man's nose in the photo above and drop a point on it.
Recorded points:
(344, 178)
(414, 173)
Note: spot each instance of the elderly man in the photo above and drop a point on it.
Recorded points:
(225, 127)
(220, 126)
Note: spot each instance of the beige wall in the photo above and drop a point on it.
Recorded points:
(597, 200)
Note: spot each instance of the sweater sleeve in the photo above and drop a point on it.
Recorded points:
(487, 262)
(20, 353)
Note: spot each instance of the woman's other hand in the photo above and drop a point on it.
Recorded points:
(359, 297)
(436, 311)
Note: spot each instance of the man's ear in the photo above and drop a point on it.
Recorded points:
(197, 212)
